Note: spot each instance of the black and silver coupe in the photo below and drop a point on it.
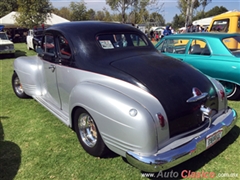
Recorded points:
(109, 84)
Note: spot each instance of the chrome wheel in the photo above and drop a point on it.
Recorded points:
(18, 86)
(87, 130)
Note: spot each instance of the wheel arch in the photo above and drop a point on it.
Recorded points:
(110, 108)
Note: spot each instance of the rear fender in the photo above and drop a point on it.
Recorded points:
(110, 110)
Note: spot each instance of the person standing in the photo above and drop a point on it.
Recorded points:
(167, 31)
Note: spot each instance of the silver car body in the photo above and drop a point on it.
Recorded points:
(125, 114)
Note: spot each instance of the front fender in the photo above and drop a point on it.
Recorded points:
(110, 110)
(29, 70)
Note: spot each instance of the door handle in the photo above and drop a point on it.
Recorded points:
(52, 67)
(180, 59)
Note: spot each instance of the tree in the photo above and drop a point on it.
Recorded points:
(63, 12)
(7, 6)
(216, 11)
(33, 13)
(91, 14)
(121, 6)
(78, 11)
(186, 8)
(107, 15)
(157, 18)
(100, 15)
(204, 3)
(178, 21)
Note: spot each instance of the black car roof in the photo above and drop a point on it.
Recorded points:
(82, 36)
(91, 26)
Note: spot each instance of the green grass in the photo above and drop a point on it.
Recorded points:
(34, 144)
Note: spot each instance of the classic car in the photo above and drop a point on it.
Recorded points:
(34, 38)
(110, 84)
(226, 22)
(6, 46)
(215, 54)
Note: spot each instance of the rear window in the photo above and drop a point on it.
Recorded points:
(233, 45)
(220, 25)
(120, 40)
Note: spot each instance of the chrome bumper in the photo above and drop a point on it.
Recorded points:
(173, 157)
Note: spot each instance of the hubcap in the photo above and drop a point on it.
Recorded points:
(87, 130)
(18, 86)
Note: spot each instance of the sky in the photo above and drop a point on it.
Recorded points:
(169, 9)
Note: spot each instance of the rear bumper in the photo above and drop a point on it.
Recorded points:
(165, 160)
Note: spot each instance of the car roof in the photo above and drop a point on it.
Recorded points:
(204, 35)
(91, 26)
(82, 35)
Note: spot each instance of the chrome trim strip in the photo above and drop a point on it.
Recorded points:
(196, 98)
(173, 157)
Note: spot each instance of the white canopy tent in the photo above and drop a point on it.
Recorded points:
(9, 20)
(203, 22)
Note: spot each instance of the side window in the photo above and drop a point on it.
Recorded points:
(167, 46)
(160, 47)
(64, 46)
(239, 23)
(48, 44)
(180, 45)
(199, 47)
(65, 54)
(137, 41)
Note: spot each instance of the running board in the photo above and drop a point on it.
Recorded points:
(57, 112)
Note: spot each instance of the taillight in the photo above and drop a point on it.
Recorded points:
(161, 120)
(222, 94)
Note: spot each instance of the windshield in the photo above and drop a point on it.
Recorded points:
(120, 40)
(233, 45)
(3, 36)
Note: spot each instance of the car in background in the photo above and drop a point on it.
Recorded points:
(110, 84)
(6, 46)
(226, 22)
(215, 54)
(34, 38)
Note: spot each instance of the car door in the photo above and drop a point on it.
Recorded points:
(50, 62)
(199, 56)
(67, 75)
(175, 48)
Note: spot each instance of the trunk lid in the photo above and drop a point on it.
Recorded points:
(171, 82)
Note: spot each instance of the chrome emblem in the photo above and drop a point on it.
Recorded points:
(197, 95)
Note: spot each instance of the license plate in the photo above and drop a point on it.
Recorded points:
(214, 137)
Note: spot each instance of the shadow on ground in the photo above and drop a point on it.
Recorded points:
(194, 164)
(10, 156)
(18, 53)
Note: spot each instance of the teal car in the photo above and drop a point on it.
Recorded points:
(215, 54)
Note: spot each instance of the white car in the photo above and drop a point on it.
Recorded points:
(34, 38)
(6, 46)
